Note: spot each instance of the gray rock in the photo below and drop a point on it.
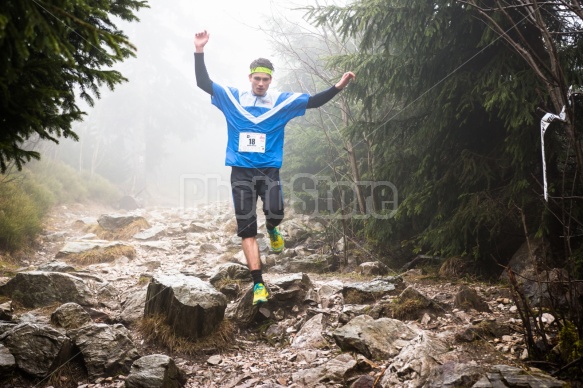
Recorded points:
(56, 266)
(70, 316)
(364, 381)
(39, 289)
(196, 227)
(243, 312)
(315, 263)
(159, 245)
(133, 307)
(373, 268)
(334, 371)
(467, 298)
(155, 371)
(107, 350)
(331, 294)
(509, 376)
(377, 339)
(416, 361)
(290, 290)
(7, 362)
(38, 349)
(6, 311)
(361, 292)
(191, 307)
(350, 311)
(454, 374)
(310, 335)
(115, 222)
(151, 233)
(76, 247)
(233, 271)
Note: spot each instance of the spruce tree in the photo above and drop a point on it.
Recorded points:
(53, 51)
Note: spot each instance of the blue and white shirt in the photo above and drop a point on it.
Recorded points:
(256, 124)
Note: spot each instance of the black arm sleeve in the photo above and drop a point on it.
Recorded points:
(203, 80)
(319, 99)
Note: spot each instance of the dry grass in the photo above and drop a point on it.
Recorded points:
(453, 268)
(124, 233)
(8, 265)
(101, 255)
(155, 330)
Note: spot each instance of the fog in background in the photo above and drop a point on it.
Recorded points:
(157, 136)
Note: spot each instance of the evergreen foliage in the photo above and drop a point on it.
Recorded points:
(452, 111)
(50, 50)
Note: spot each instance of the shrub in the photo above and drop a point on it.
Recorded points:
(20, 214)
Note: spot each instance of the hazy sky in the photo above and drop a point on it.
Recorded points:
(163, 75)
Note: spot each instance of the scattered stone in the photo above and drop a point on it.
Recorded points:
(107, 350)
(70, 316)
(154, 371)
(373, 268)
(467, 298)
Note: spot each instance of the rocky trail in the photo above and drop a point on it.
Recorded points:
(92, 308)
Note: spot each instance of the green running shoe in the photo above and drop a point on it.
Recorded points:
(276, 239)
(260, 294)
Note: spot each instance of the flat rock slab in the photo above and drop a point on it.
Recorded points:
(37, 289)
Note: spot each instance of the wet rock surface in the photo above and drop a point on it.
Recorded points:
(325, 325)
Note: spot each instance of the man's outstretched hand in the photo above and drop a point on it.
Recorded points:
(345, 80)
(200, 40)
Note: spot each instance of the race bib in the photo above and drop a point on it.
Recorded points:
(252, 142)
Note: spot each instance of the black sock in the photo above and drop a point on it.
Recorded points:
(257, 276)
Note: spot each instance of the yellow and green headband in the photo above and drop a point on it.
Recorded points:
(265, 70)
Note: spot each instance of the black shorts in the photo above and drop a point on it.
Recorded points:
(247, 184)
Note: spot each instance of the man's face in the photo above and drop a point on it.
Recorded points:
(259, 83)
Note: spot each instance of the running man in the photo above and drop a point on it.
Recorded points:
(256, 120)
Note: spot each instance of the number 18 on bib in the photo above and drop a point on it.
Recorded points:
(252, 142)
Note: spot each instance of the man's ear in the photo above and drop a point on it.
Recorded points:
(250, 76)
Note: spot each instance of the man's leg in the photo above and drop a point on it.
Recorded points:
(245, 201)
(272, 197)
(251, 250)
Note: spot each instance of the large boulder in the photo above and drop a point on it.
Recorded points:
(377, 339)
(37, 349)
(191, 307)
(70, 316)
(107, 350)
(154, 371)
(38, 289)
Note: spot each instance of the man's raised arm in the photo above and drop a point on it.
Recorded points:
(319, 99)
(203, 80)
